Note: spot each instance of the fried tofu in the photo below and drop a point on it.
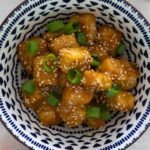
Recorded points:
(63, 41)
(42, 77)
(78, 58)
(123, 101)
(110, 38)
(97, 81)
(26, 58)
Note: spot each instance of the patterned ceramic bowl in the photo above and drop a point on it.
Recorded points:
(30, 19)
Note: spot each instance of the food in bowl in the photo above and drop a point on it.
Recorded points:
(77, 73)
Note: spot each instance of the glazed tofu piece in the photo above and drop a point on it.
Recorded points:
(41, 76)
(128, 79)
(48, 115)
(77, 95)
(112, 67)
(48, 36)
(63, 41)
(78, 58)
(88, 25)
(95, 123)
(71, 115)
(34, 99)
(99, 50)
(122, 72)
(110, 38)
(97, 81)
(29, 49)
(123, 101)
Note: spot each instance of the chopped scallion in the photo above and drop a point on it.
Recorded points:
(28, 87)
(95, 62)
(74, 76)
(104, 112)
(71, 28)
(53, 99)
(120, 49)
(55, 26)
(81, 37)
(32, 47)
(50, 58)
(113, 91)
(93, 112)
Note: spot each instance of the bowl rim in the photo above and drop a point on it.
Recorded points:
(12, 13)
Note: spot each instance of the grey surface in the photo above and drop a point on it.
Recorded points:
(7, 141)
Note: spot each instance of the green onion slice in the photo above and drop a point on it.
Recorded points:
(120, 49)
(113, 91)
(81, 38)
(50, 63)
(55, 26)
(93, 112)
(104, 112)
(32, 47)
(28, 87)
(74, 76)
(71, 28)
(95, 62)
(53, 99)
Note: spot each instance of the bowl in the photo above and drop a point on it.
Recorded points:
(29, 19)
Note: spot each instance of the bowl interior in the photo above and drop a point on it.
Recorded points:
(30, 19)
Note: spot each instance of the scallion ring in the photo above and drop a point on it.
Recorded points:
(32, 47)
(74, 76)
(28, 87)
(53, 99)
(113, 91)
(55, 26)
(81, 38)
(95, 62)
(93, 112)
(104, 112)
(120, 49)
(52, 59)
(71, 28)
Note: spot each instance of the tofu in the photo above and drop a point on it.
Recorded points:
(42, 77)
(63, 41)
(77, 95)
(96, 80)
(110, 38)
(71, 115)
(88, 25)
(122, 72)
(74, 58)
(48, 115)
(26, 59)
(123, 101)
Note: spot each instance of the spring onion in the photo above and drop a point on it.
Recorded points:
(74, 76)
(104, 112)
(32, 47)
(28, 87)
(50, 63)
(81, 38)
(53, 99)
(93, 112)
(113, 91)
(95, 62)
(120, 49)
(71, 28)
(55, 26)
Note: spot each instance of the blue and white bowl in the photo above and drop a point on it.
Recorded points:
(30, 19)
